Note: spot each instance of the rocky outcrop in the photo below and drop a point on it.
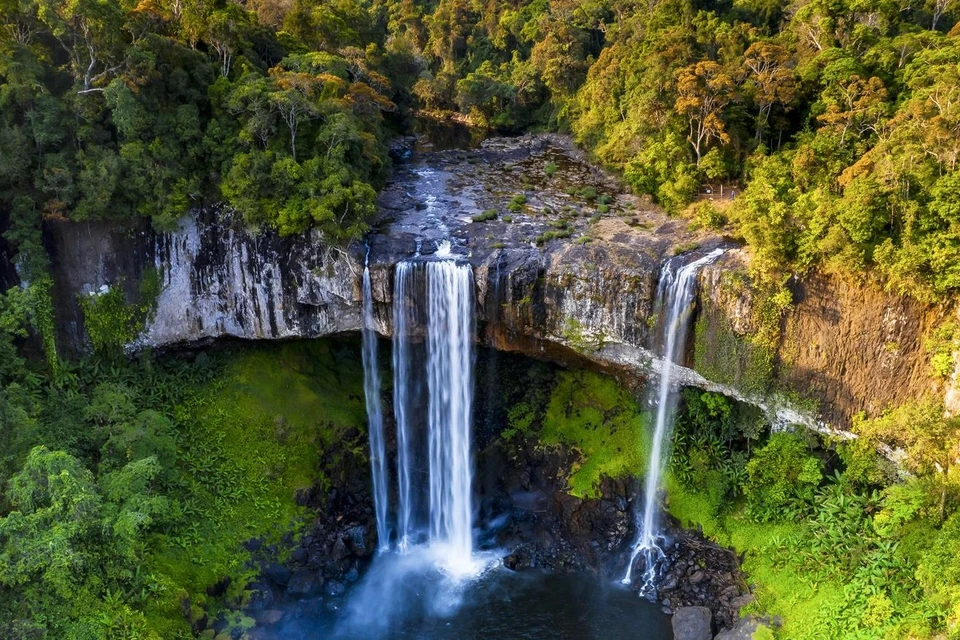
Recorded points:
(566, 269)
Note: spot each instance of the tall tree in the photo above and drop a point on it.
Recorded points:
(703, 90)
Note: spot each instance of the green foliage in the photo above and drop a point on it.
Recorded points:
(165, 108)
(833, 556)
(781, 479)
(708, 216)
(928, 438)
(596, 417)
(489, 214)
(167, 469)
(943, 342)
(112, 322)
(109, 320)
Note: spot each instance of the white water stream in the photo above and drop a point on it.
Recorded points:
(676, 292)
(433, 302)
(371, 389)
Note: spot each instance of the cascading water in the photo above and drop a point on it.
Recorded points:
(434, 298)
(402, 394)
(371, 390)
(675, 295)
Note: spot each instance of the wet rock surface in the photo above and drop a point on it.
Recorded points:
(546, 527)
(692, 623)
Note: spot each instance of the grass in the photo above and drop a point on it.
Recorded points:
(250, 441)
(598, 418)
(781, 588)
(489, 214)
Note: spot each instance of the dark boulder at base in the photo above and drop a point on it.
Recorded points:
(269, 617)
(692, 623)
(277, 574)
(304, 583)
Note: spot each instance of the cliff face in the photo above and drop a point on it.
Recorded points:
(567, 269)
(218, 280)
(844, 348)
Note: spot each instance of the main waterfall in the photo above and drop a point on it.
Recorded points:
(675, 295)
(433, 343)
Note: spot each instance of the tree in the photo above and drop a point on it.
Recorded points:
(930, 440)
(859, 105)
(770, 80)
(88, 31)
(938, 9)
(704, 89)
(225, 31)
(294, 96)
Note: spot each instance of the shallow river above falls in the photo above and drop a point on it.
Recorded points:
(500, 604)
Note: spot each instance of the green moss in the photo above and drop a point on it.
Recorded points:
(112, 322)
(723, 356)
(248, 442)
(601, 420)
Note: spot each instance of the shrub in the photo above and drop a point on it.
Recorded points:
(781, 478)
(517, 202)
(588, 193)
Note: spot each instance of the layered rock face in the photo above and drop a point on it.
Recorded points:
(565, 266)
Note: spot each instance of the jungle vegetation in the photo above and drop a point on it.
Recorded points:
(837, 123)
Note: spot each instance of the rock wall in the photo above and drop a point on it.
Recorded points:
(560, 276)
(844, 347)
(218, 280)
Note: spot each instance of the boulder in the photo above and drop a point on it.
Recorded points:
(742, 630)
(277, 574)
(269, 617)
(358, 540)
(692, 623)
(304, 583)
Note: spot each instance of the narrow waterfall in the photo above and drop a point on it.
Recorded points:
(676, 292)
(371, 391)
(433, 302)
(403, 319)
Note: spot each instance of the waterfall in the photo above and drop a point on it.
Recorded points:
(402, 393)
(450, 383)
(371, 391)
(433, 299)
(676, 292)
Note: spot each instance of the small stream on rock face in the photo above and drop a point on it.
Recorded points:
(676, 292)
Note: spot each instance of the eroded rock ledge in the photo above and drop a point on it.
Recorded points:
(567, 269)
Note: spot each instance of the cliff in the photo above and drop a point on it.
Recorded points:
(565, 266)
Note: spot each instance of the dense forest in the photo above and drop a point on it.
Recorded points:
(838, 120)
(836, 124)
